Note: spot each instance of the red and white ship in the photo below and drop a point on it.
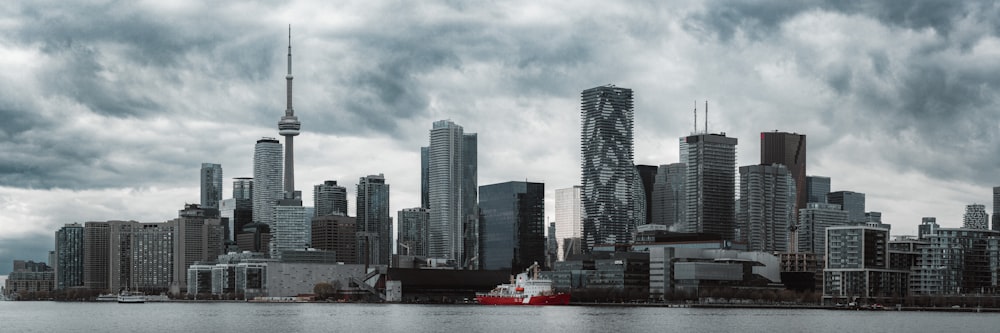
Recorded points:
(524, 290)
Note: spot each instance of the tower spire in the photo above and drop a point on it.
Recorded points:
(288, 110)
(289, 126)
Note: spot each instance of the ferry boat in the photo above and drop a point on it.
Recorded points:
(128, 297)
(524, 290)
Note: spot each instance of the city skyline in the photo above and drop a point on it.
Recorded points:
(115, 110)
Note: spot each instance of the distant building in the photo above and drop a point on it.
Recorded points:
(851, 202)
(28, 277)
(569, 220)
(197, 237)
(956, 261)
(647, 176)
(608, 171)
(788, 149)
(290, 229)
(374, 224)
(338, 234)
(267, 187)
(813, 222)
(996, 208)
(238, 210)
(512, 233)
(975, 217)
(710, 184)
(767, 207)
(668, 203)
(817, 187)
(96, 256)
(211, 185)
(69, 257)
(857, 266)
(412, 239)
(452, 184)
(330, 199)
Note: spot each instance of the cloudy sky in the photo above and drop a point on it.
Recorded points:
(108, 108)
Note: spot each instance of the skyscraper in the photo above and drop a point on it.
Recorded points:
(852, 202)
(569, 220)
(451, 175)
(373, 222)
(197, 237)
(608, 172)
(267, 189)
(425, 198)
(337, 233)
(289, 127)
(96, 244)
(290, 230)
(975, 217)
(211, 185)
(668, 203)
(996, 208)
(330, 199)
(710, 185)
(813, 221)
(788, 149)
(767, 203)
(647, 174)
(817, 187)
(69, 256)
(513, 225)
(412, 239)
(238, 210)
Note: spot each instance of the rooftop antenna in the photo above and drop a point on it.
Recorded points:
(706, 116)
(695, 117)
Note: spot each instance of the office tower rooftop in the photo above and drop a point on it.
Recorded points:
(211, 185)
(710, 185)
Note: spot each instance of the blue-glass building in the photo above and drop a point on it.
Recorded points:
(512, 221)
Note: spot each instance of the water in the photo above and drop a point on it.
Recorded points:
(333, 317)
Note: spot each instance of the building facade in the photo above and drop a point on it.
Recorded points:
(710, 185)
(813, 221)
(336, 233)
(956, 261)
(767, 207)
(858, 266)
(211, 185)
(330, 199)
(513, 225)
(238, 210)
(788, 149)
(267, 187)
(412, 239)
(817, 187)
(975, 217)
(451, 180)
(851, 202)
(608, 171)
(569, 220)
(69, 256)
(668, 201)
(290, 230)
(373, 220)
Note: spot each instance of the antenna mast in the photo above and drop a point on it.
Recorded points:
(706, 116)
(695, 117)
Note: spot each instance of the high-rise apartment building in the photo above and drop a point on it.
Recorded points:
(330, 199)
(69, 256)
(290, 230)
(412, 239)
(267, 186)
(238, 210)
(513, 225)
(337, 233)
(569, 221)
(211, 185)
(197, 237)
(608, 172)
(996, 208)
(668, 202)
(710, 185)
(852, 202)
(788, 149)
(956, 261)
(425, 198)
(767, 206)
(647, 175)
(373, 220)
(813, 221)
(96, 243)
(817, 187)
(858, 265)
(451, 181)
(975, 217)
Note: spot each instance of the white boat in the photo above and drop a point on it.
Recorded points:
(127, 297)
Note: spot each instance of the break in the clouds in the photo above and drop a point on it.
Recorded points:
(109, 108)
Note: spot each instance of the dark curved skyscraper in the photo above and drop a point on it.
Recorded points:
(608, 173)
(788, 149)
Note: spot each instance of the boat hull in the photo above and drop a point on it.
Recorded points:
(557, 299)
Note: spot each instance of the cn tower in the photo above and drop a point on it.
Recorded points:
(289, 127)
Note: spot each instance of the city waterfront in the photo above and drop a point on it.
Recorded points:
(347, 317)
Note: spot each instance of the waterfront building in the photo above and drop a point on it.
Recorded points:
(858, 266)
(336, 233)
(146, 257)
(255, 237)
(788, 149)
(851, 202)
(267, 187)
(451, 179)
(199, 279)
(513, 225)
(766, 207)
(330, 199)
(251, 279)
(710, 184)
(223, 279)
(813, 221)
(211, 185)
(238, 210)
(412, 239)
(608, 172)
(290, 229)
(569, 220)
(96, 256)
(69, 256)
(817, 188)
(668, 203)
(956, 261)
(975, 217)
(675, 269)
(28, 277)
(197, 237)
(374, 224)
